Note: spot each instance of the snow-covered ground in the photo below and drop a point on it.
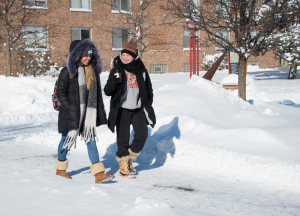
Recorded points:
(210, 153)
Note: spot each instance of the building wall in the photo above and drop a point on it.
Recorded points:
(101, 21)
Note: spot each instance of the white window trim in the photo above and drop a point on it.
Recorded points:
(157, 50)
(35, 7)
(116, 49)
(84, 28)
(188, 49)
(219, 48)
(121, 12)
(80, 10)
(37, 49)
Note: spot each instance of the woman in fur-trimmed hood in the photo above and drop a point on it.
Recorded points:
(82, 108)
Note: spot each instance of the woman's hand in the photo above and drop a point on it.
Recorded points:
(117, 79)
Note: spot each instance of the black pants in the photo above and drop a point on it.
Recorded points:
(139, 122)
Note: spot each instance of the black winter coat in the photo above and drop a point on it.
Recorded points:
(111, 90)
(68, 95)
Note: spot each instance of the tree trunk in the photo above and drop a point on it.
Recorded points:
(8, 56)
(242, 76)
(293, 71)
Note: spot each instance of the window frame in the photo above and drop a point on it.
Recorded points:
(164, 68)
(114, 37)
(35, 6)
(187, 67)
(186, 6)
(197, 34)
(216, 45)
(116, 10)
(81, 9)
(35, 32)
(222, 10)
(82, 28)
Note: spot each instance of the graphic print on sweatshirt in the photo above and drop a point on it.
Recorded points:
(130, 97)
(131, 79)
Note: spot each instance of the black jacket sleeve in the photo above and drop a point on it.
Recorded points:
(149, 88)
(109, 88)
(62, 89)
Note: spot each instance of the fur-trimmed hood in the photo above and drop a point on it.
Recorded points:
(75, 54)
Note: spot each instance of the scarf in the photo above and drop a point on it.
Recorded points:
(137, 67)
(88, 113)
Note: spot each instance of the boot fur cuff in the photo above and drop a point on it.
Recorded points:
(97, 168)
(61, 165)
(133, 153)
(124, 158)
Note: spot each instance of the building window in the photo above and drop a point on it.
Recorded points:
(158, 69)
(120, 5)
(35, 3)
(186, 38)
(35, 37)
(252, 63)
(81, 4)
(80, 33)
(186, 67)
(219, 42)
(120, 37)
(222, 6)
(191, 7)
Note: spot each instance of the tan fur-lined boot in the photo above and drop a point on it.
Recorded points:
(97, 170)
(132, 156)
(61, 167)
(124, 169)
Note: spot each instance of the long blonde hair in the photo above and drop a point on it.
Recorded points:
(89, 76)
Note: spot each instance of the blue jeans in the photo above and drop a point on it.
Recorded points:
(91, 147)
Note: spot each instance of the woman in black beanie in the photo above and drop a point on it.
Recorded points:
(131, 92)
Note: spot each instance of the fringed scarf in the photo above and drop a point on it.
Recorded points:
(88, 113)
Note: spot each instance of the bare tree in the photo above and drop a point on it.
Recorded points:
(287, 46)
(249, 21)
(16, 15)
(140, 21)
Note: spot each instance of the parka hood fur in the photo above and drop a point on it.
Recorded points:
(75, 54)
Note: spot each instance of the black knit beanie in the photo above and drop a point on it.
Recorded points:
(87, 51)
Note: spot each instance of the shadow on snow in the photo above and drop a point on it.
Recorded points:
(155, 151)
(271, 75)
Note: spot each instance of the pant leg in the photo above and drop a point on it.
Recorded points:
(93, 151)
(139, 123)
(123, 132)
(62, 153)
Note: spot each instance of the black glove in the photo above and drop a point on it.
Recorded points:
(117, 79)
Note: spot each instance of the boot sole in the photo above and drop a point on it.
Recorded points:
(130, 176)
(105, 180)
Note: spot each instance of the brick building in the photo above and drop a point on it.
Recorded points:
(104, 24)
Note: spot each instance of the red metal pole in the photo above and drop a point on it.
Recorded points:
(191, 69)
(197, 50)
(194, 56)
